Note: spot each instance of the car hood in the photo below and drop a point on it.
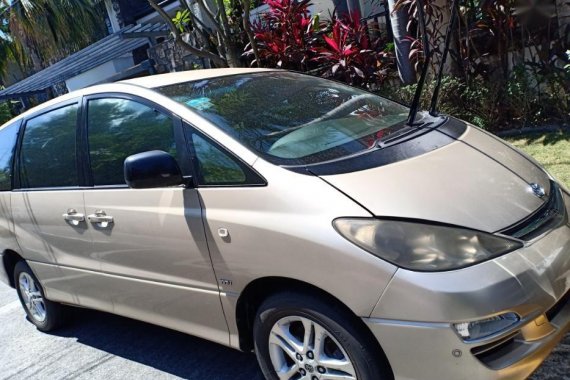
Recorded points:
(476, 181)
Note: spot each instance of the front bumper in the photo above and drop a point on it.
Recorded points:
(3, 275)
(413, 321)
(433, 350)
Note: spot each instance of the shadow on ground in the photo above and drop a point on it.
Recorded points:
(549, 138)
(166, 350)
(189, 357)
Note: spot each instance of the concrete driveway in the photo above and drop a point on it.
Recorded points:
(103, 346)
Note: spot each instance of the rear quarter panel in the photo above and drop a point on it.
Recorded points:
(7, 237)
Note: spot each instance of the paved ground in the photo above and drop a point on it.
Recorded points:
(103, 346)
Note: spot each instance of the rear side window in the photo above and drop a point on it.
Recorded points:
(118, 128)
(47, 156)
(8, 137)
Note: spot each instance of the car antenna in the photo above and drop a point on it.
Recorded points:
(435, 96)
(427, 56)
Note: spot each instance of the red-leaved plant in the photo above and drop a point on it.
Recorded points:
(285, 35)
(348, 54)
(340, 48)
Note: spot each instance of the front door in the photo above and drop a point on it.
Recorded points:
(155, 264)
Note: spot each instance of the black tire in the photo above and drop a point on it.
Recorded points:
(55, 314)
(365, 354)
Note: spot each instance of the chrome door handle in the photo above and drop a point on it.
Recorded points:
(73, 216)
(100, 217)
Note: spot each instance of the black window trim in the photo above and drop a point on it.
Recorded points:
(85, 177)
(16, 187)
(253, 177)
(182, 152)
(15, 124)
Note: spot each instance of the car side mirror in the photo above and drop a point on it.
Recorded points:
(152, 169)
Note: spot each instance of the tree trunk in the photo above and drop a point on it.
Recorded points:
(399, 21)
(232, 56)
(195, 50)
(247, 27)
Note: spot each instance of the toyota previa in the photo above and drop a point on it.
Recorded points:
(292, 216)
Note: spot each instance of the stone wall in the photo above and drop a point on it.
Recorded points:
(168, 57)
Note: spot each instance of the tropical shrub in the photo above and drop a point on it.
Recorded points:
(491, 83)
(339, 48)
(507, 66)
(348, 54)
(285, 36)
(473, 102)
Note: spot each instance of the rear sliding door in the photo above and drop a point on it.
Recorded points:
(47, 203)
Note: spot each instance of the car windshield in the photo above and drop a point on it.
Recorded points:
(290, 118)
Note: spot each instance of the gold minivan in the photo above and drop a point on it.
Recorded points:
(292, 216)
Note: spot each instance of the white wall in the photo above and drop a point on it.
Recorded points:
(324, 7)
(371, 7)
(154, 17)
(115, 27)
(99, 73)
(320, 7)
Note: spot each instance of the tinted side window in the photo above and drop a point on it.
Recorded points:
(119, 128)
(47, 157)
(216, 167)
(8, 137)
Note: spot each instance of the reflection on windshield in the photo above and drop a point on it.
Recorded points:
(291, 118)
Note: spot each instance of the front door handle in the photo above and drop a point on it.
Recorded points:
(73, 217)
(101, 217)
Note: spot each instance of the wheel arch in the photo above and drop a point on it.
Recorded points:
(260, 289)
(9, 260)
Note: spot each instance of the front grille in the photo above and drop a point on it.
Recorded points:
(551, 215)
(493, 354)
(490, 349)
(557, 308)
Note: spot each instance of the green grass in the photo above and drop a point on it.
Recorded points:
(550, 149)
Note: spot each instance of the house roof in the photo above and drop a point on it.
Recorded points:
(113, 46)
(147, 30)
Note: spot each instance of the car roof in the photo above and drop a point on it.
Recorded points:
(160, 80)
(149, 82)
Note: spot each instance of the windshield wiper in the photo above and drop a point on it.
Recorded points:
(424, 125)
(435, 96)
(427, 57)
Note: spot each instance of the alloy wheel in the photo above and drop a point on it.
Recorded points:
(32, 297)
(302, 349)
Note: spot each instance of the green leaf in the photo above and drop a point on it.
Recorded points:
(182, 20)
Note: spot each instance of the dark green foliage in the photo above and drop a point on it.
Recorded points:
(493, 79)
(5, 113)
(521, 101)
(475, 102)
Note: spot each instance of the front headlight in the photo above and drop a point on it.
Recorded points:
(424, 247)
